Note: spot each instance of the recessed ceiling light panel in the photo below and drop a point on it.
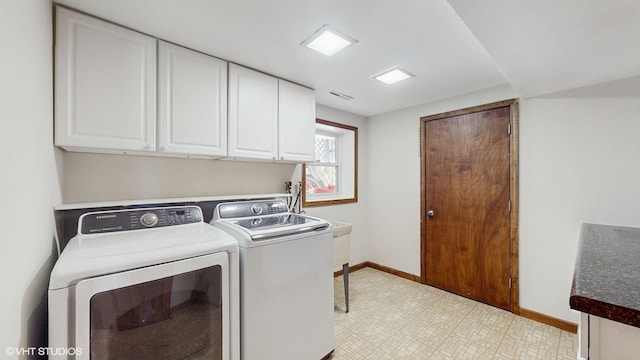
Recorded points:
(328, 41)
(393, 75)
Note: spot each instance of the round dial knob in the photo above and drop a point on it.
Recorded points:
(257, 209)
(149, 219)
(256, 222)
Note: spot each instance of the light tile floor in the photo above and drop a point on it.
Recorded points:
(394, 318)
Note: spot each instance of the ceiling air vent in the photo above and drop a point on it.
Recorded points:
(341, 95)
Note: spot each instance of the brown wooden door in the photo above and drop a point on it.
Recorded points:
(467, 186)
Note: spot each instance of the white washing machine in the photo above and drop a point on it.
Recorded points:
(148, 283)
(286, 280)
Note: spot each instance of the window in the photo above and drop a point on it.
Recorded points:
(332, 178)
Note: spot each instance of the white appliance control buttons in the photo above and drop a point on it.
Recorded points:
(149, 219)
(257, 209)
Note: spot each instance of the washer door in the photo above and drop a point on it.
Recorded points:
(175, 310)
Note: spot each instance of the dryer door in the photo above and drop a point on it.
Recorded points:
(175, 310)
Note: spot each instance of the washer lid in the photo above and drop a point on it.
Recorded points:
(265, 227)
(88, 256)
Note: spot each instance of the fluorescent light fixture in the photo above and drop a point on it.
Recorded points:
(393, 75)
(328, 41)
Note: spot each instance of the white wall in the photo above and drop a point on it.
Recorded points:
(579, 156)
(579, 161)
(29, 185)
(355, 213)
(103, 177)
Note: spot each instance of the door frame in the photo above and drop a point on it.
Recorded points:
(513, 189)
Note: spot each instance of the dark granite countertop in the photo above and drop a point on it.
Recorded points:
(606, 280)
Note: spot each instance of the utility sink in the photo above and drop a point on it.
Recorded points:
(340, 228)
(341, 236)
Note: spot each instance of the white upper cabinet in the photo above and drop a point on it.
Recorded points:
(296, 123)
(105, 99)
(253, 114)
(105, 88)
(192, 98)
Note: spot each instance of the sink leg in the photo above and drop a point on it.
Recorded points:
(345, 276)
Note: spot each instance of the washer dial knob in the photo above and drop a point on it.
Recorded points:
(257, 209)
(149, 219)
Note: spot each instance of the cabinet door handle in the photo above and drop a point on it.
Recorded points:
(431, 213)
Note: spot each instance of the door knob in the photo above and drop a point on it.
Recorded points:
(430, 213)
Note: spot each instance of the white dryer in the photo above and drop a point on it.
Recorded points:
(148, 283)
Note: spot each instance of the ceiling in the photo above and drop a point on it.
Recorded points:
(453, 47)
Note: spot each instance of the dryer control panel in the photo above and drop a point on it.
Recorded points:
(136, 219)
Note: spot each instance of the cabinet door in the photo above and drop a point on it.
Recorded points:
(253, 114)
(296, 123)
(105, 85)
(608, 339)
(192, 97)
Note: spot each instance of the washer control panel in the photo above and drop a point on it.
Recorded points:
(136, 219)
(251, 208)
(256, 209)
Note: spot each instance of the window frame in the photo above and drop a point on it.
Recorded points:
(340, 197)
